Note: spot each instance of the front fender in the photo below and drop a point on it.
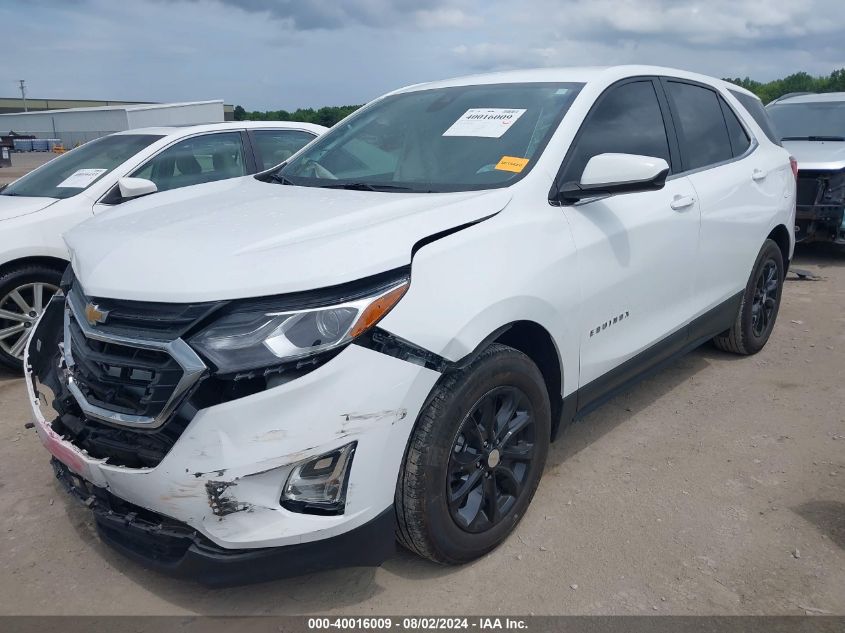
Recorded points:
(470, 284)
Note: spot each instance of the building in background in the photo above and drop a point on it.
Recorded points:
(81, 124)
(13, 105)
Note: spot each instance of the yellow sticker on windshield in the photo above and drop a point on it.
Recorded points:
(512, 163)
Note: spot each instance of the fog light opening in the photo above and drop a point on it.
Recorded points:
(318, 485)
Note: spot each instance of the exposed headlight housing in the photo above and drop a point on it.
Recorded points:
(318, 485)
(262, 335)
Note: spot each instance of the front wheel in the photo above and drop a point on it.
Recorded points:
(24, 293)
(475, 458)
(758, 310)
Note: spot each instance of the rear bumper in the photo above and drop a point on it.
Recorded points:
(176, 549)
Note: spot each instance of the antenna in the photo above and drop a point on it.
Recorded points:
(22, 83)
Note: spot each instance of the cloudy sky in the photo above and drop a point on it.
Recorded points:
(270, 54)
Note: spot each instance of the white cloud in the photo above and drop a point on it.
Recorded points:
(446, 17)
(270, 54)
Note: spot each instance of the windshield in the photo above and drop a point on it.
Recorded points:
(822, 120)
(445, 139)
(72, 173)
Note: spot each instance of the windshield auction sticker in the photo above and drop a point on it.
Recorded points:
(81, 178)
(511, 163)
(484, 122)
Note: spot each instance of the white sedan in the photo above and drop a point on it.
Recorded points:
(36, 209)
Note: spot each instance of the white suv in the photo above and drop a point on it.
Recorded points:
(387, 332)
(36, 209)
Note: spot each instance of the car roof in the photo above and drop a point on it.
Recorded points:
(575, 74)
(737, 88)
(812, 98)
(187, 130)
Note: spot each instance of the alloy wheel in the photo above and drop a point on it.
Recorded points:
(766, 291)
(19, 310)
(490, 459)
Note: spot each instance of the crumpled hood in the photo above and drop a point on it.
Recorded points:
(817, 154)
(14, 206)
(246, 238)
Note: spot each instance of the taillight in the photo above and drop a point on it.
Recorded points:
(794, 164)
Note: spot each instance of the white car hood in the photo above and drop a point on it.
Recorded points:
(817, 154)
(245, 238)
(14, 206)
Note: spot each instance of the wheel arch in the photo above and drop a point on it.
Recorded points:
(780, 236)
(536, 342)
(56, 263)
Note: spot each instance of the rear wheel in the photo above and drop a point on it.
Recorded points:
(475, 458)
(24, 293)
(758, 310)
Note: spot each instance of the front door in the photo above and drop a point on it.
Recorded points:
(637, 251)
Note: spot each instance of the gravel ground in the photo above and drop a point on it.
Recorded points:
(714, 487)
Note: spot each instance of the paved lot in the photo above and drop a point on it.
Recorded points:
(713, 487)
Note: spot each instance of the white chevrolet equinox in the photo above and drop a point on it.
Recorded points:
(383, 335)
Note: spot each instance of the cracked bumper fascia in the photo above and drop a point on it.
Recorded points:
(248, 447)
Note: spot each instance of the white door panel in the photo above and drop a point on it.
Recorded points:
(737, 201)
(636, 258)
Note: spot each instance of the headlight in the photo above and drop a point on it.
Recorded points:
(261, 337)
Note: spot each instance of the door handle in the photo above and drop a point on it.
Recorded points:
(682, 202)
(758, 174)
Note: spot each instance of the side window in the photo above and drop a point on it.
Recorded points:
(196, 160)
(701, 127)
(627, 120)
(736, 133)
(276, 146)
(758, 112)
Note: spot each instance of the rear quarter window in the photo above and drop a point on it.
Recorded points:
(755, 108)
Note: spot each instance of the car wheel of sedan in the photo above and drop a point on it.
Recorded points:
(24, 293)
(758, 311)
(475, 458)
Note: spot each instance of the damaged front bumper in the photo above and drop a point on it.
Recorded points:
(178, 550)
(214, 498)
(822, 222)
(820, 209)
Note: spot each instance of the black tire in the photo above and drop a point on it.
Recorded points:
(446, 445)
(22, 277)
(758, 310)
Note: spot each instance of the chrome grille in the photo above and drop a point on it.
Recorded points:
(124, 380)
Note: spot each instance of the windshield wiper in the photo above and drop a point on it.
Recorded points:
(281, 179)
(813, 138)
(366, 186)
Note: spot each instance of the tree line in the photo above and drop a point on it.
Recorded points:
(768, 91)
(798, 82)
(327, 115)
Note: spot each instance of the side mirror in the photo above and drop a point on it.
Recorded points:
(135, 187)
(610, 174)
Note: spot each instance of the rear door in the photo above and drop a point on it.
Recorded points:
(738, 187)
(273, 147)
(636, 252)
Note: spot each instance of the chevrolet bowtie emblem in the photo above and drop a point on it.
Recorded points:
(94, 315)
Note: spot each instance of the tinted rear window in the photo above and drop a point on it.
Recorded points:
(739, 138)
(758, 113)
(701, 126)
